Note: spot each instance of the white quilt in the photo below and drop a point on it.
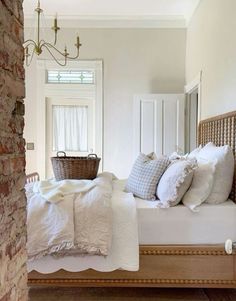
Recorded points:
(124, 250)
(80, 222)
(55, 191)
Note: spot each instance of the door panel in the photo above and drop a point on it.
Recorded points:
(170, 126)
(147, 126)
(158, 123)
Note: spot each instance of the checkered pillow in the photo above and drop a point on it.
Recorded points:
(145, 175)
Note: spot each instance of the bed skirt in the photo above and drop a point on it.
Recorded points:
(160, 266)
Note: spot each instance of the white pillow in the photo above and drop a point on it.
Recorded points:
(224, 171)
(201, 186)
(192, 155)
(175, 182)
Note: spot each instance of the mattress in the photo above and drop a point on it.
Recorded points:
(213, 224)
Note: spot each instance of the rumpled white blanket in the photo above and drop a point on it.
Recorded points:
(80, 222)
(54, 191)
(124, 251)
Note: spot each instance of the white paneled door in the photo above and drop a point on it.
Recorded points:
(158, 123)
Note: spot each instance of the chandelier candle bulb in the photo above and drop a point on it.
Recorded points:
(55, 21)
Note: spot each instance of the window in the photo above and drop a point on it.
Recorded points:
(70, 77)
(70, 128)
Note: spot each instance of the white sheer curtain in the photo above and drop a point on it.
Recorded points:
(70, 128)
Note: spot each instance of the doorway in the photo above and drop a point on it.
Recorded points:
(192, 112)
(66, 94)
(191, 120)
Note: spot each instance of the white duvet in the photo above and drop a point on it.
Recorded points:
(123, 252)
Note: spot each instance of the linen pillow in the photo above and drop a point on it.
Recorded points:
(192, 155)
(145, 176)
(200, 189)
(175, 182)
(224, 171)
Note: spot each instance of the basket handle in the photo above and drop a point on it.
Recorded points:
(92, 155)
(61, 152)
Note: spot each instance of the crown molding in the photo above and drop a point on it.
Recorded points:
(112, 21)
(189, 17)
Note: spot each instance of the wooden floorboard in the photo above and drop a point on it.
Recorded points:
(130, 294)
(221, 294)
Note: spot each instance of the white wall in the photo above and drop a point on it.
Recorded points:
(136, 61)
(211, 47)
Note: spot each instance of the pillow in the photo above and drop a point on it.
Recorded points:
(175, 182)
(192, 155)
(200, 189)
(224, 171)
(145, 176)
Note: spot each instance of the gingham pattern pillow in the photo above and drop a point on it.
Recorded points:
(145, 176)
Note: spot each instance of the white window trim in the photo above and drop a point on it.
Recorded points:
(45, 90)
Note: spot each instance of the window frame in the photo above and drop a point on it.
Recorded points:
(70, 81)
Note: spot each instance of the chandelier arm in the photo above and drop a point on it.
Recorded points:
(55, 38)
(61, 53)
(30, 42)
(74, 57)
(29, 62)
(48, 49)
(51, 46)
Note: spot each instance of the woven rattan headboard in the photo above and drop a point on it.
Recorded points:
(220, 130)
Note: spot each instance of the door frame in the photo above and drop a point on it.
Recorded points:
(45, 90)
(192, 86)
(195, 84)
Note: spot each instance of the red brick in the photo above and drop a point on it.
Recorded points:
(13, 273)
(6, 297)
(17, 164)
(4, 189)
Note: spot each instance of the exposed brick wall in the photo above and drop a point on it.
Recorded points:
(13, 275)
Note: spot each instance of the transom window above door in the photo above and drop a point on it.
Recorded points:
(70, 77)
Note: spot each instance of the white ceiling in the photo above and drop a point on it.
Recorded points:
(119, 9)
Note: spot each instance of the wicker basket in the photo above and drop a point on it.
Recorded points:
(75, 167)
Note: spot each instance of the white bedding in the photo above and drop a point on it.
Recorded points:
(69, 216)
(124, 252)
(213, 224)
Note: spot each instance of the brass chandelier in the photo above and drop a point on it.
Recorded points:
(36, 47)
